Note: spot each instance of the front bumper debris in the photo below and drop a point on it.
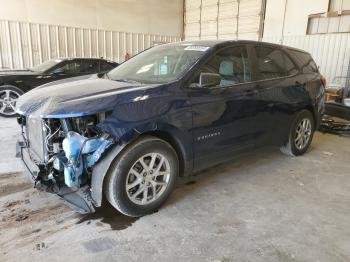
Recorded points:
(330, 125)
(79, 199)
(336, 119)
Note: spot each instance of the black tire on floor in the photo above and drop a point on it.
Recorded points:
(290, 147)
(8, 88)
(115, 182)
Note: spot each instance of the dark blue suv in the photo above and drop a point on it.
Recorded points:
(169, 111)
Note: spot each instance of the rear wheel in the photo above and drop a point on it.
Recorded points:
(142, 178)
(300, 135)
(8, 100)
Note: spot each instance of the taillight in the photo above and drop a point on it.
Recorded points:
(324, 81)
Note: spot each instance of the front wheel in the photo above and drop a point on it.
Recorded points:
(142, 177)
(8, 99)
(300, 135)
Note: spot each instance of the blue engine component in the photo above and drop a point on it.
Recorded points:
(76, 147)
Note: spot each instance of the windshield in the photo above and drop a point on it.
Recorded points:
(46, 65)
(160, 64)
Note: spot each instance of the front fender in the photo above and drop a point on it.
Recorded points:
(100, 170)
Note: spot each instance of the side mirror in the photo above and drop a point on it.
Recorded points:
(101, 74)
(209, 79)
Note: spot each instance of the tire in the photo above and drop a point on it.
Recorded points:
(8, 98)
(126, 170)
(294, 147)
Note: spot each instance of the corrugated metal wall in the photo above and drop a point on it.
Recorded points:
(25, 44)
(222, 19)
(330, 51)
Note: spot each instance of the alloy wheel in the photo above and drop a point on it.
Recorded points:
(303, 133)
(148, 178)
(8, 99)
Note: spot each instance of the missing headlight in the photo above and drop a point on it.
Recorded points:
(73, 146)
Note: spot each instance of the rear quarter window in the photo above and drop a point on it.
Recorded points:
(304, 60)
(273, 63)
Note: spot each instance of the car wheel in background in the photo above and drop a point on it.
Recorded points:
(300, 135)
(141, 179)
(8, 99)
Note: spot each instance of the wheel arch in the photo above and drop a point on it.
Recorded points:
(101, 169)
(185, 165)
(313, 112)
(4, 85)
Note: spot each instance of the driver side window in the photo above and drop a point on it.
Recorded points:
(231, 64)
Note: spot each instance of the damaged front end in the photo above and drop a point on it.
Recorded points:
(59, 154)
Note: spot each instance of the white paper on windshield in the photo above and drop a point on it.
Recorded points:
(197, 48)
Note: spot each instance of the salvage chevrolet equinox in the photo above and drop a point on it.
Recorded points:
(169, 111)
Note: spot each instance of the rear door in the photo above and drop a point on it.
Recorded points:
(224, 116)
(313, 78)
(279, 83)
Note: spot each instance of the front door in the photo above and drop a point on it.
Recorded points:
(224, 115)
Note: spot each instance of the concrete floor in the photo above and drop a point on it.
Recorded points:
(262, 207)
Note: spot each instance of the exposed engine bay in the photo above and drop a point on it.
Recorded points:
(64, 150)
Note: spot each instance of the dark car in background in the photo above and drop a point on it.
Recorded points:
(169, 111)
(14, 83)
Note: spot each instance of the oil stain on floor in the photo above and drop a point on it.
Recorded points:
(108, 215)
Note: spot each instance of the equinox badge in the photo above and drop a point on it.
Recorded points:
(208, 136)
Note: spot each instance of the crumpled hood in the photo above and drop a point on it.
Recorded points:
(78, 98)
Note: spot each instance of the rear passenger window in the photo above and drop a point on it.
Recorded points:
(273, 63)
(305, 61)
(231, 64)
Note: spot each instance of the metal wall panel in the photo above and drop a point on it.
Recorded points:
(222, 19)
(331, 52)
(24, 45)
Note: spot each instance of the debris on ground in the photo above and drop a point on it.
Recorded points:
(40, 246)
(336, 119)
(21, 217)
(328, 153)
(12, 203)
(36, 230)
(335, 126)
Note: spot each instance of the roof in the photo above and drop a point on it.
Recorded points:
(84, 58)
(212, 43)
